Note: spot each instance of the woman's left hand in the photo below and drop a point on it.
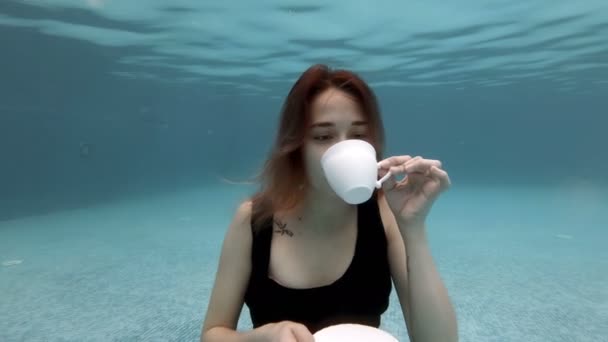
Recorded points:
(411, 198)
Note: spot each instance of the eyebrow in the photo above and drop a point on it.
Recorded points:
(331, 124)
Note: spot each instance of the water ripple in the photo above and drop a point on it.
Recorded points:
(401, 43)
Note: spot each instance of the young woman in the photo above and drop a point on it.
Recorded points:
(303, 259)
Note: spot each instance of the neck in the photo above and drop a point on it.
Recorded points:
(325, 211)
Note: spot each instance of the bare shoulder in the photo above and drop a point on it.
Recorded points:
(242, 216)
(238, 231)
(238, 235)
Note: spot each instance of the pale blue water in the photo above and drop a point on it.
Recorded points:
(118, 120)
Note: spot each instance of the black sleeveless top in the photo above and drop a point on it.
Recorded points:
(360, 296)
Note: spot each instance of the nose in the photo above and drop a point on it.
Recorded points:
(342, 137)
(338, 139)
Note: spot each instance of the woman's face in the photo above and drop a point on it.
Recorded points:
(335, 116)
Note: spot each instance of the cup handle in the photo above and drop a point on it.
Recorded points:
(379, 182)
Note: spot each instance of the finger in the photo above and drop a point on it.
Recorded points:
(389, 183)
(423, 161)
(288, 338)
(442, 175)
(395, 160)
(302, 334)
(421, 165)
(395, 180)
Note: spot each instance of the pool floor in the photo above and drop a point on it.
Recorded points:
(520, 264)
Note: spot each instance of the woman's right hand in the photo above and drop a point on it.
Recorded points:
(285, 331)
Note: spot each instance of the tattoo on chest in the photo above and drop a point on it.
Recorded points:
(282, 228)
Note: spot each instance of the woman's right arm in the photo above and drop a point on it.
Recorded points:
(228, 293)
(231, 279)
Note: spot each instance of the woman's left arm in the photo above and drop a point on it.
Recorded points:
(425, 303)
(424, 299)
(432, 316)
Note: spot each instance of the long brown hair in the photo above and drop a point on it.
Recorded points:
(284, 171)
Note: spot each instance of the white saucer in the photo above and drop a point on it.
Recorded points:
(353, 333)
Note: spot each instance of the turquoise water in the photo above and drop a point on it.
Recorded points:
(119, 120)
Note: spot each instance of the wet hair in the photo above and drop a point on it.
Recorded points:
(284, 170)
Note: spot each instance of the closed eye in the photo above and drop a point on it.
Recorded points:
(325, 137)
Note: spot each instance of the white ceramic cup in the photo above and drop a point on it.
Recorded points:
(351, 169)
